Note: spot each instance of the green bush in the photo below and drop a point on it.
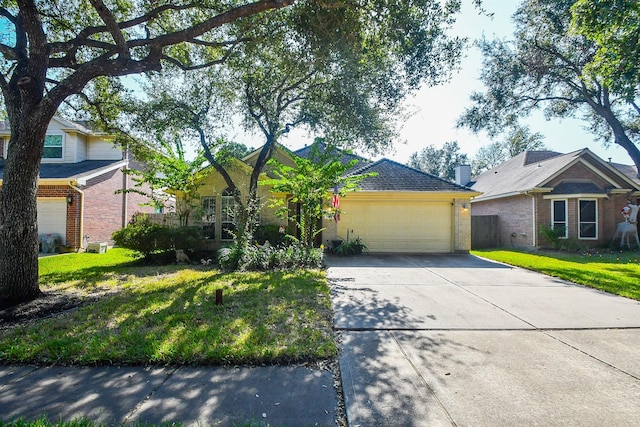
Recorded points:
(270, 233)
(354, 247)
(147, 238)
(290, 255)
(552, 235)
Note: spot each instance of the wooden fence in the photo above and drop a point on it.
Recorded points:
(484, 231)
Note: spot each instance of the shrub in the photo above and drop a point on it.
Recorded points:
(147, 238)
(290, 255)
(354, 247)
(553, 235)
(270, 233)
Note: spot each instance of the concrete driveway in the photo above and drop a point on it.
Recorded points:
(458, 340)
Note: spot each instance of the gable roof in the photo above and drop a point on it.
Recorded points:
(394, 176)
(391, 175)
(530, 171)
(344, 157)
(631, 171)
(79, 172)
(81, 126)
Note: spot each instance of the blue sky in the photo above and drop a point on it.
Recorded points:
(435, 110)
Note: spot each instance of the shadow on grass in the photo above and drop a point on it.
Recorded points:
(265, 318)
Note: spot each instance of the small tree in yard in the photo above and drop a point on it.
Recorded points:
(309, 184)
(170, 173)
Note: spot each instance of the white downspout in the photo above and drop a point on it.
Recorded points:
(534, 220)
(81, 214)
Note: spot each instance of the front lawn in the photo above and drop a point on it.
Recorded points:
(168, 315)
(614, 272)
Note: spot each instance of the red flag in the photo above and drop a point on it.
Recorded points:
(336, 205)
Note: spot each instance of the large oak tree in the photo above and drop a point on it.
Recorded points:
(61, 47)
(547, 66)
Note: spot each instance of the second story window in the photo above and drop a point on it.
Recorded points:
(52, 147)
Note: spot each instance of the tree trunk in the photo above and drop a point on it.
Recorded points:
(19, 243)
(623, 140)
(619, 132)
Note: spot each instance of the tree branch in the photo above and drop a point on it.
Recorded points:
(8, 52)
(152, 61)
(84, 36)
(107, 16)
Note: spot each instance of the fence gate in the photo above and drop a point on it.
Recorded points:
(484, 231)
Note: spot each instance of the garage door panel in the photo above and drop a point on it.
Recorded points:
(52, 217)
(392, 226)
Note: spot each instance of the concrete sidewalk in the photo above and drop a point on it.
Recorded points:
(272, 395)
(457, 340)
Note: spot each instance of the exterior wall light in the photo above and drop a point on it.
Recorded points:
(465, 206)
(69, 199)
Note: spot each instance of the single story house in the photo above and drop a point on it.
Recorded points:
(578, 193)
(80, 172)
(399, 210)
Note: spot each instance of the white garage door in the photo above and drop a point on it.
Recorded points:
(398, 226)
(52, 217)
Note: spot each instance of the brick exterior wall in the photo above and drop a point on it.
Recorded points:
(515, 214)
(105, 211)
(580, 172)
(515, 225)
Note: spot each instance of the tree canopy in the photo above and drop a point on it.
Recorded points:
(614, 26)
(517, 140)
(440, 162)
(348, 89)
(547, 67)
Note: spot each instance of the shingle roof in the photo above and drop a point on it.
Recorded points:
(526, 171)
(71, 170)
(519, 174)
(631, 171)
(538, 156)
(393, 176)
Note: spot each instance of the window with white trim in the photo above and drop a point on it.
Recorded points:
(209, 217)
(228, 214)
(52, 147)
(587, 219)
(559, 217)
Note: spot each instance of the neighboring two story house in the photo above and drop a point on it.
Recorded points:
(578, 193)
(81, 170)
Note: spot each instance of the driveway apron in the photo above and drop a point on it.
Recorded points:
(459, 340)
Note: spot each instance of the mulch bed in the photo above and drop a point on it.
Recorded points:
(47, 305)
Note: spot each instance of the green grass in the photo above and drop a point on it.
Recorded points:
(167, 315)
(614, 272)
